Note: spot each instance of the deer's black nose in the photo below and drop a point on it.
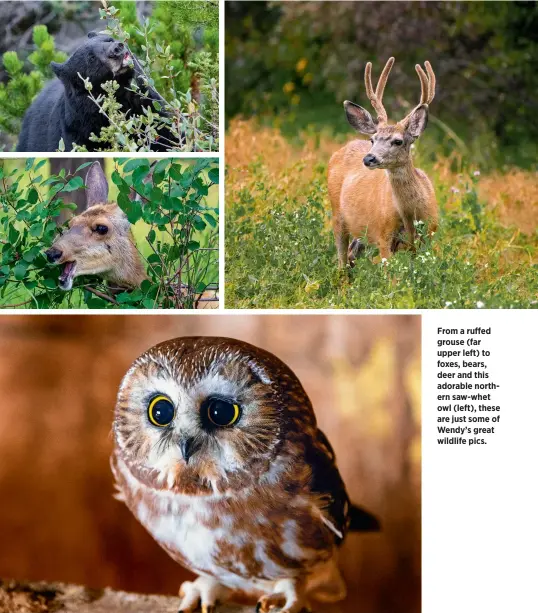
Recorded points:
(370, 160)
(53, 254)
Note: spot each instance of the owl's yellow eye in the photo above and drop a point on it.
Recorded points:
(161, 411)
(221, 412)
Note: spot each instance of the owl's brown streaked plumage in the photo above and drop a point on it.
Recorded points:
(217, 453)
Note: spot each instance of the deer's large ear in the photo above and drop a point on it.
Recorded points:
(359, 118)
(418, 120)
(96, 185)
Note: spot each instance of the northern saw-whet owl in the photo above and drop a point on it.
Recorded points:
(218, 455)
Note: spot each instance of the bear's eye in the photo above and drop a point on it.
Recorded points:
(101, 229)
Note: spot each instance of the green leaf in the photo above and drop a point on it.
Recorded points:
(40, 164)
(148, 303)
(29, 164)
(20, 270)
(61, 145)
(32, 196)
(213, 175)
(199, 223)
(139, 174)
(136, 163)
(133, 209)
(160, 169)
(151, 236)
(13, 235)
(156, 195)
(36, 230)
(210, 220)
(85, 165)
(73, 184)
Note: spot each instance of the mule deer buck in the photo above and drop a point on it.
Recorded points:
(100, 242)
(377, 204)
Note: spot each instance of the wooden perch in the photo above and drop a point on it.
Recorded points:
(41, 597)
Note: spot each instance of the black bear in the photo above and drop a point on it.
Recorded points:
(63, 109)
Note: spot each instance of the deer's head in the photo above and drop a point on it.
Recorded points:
(98, 241)
(391, 144)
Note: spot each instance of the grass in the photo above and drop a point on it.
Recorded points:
(280, 250)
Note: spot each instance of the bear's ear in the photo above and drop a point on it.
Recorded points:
(92, 34)
(58, 69)
(97, 186)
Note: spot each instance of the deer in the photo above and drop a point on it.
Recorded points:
(99, 241)
(374, 188)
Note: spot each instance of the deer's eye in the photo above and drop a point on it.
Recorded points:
(100, 229)
(397, 142)
(372, 141)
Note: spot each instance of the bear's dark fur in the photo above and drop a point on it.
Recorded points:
(63, 109)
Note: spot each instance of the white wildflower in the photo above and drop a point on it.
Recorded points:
(480, 305)
(476, 173)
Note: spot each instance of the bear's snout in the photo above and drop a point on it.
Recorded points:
(116, 50)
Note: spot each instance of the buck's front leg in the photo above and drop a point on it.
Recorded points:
(341, 237)
(411, 231)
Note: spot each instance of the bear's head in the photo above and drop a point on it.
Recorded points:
(99, 59)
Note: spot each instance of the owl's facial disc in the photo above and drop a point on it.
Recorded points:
(215, 426)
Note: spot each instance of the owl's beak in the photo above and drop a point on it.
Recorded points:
(188, 448)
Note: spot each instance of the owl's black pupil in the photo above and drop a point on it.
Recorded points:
(221, 412)
(163, 412)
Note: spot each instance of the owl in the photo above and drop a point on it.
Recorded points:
(218, 455)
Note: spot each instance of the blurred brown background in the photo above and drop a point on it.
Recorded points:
(58, 380)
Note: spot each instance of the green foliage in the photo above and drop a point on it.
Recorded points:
(285, 257)
(177, 233)
(288, 60)
(177, 48)
(17, 94)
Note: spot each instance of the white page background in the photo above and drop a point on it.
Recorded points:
(480, 503)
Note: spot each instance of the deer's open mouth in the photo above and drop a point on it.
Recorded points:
(68, 274)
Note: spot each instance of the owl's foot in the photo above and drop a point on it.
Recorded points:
(287, 597)
(204, 591)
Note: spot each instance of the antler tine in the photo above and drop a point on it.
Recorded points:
(383, 79)
(427, 86)
(376, 97)
(431, 75)
(368, 81)
(424, 84)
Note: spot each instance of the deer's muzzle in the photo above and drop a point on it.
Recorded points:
(53, 254)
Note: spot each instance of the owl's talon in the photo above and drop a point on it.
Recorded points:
(266, 603)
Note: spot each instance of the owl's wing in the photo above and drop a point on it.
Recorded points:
(327, 483)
